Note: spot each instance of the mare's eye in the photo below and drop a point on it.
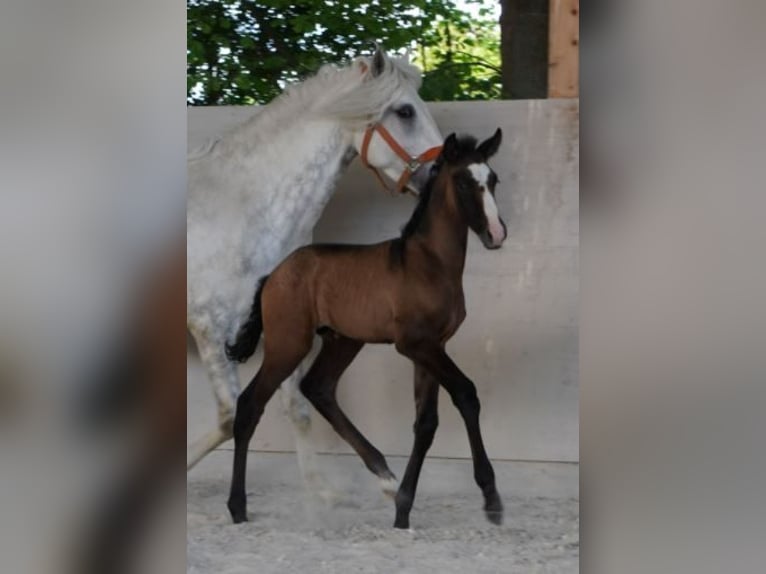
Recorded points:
(406, 112)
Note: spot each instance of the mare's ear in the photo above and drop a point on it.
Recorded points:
(489, 147)
(450, 151)
(378, 61)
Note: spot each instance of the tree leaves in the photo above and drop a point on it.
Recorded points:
(244, 51)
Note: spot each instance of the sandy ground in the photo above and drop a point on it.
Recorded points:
(291, 530)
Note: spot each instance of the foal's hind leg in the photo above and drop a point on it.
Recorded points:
(276, 367)
(319, 386)
(426, 421)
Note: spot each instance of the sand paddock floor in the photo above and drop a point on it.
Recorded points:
(291, 530)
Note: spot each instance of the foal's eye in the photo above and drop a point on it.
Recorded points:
(406, 112)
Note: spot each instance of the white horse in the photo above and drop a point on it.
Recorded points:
(256, 194)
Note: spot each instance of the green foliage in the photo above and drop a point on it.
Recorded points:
(244, 52)
(461, 60)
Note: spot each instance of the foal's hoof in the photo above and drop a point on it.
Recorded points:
(494, 509)
(402, 523)
(389, 486)
(238, 515)
(495, 516)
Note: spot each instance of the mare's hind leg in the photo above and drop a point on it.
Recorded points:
(426, 421)
(224, 378)
(296, 407)
(319, 386)
(275, 368)
(462, 391)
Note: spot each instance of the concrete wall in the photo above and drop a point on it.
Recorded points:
(519, 342)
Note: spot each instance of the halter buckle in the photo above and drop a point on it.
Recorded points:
(413, 165)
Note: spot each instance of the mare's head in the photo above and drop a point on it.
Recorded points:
(395, 113)
(473, 184)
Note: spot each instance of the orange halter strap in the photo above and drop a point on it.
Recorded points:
(412, 163)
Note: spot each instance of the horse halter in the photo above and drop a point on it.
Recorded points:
(412, 163)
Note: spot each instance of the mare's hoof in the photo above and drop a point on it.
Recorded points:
(329, 497)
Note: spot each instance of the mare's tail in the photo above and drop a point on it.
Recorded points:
(250, 332)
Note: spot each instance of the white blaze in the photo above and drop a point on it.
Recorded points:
(480, 172)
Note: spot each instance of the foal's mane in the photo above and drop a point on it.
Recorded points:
(466, 145)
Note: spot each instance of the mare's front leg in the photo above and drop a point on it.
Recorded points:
(462, 391)
(319, 386)
(426, 421)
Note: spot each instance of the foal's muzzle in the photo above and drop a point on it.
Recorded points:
(493, 242)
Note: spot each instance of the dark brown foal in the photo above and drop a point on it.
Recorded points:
(408, 292)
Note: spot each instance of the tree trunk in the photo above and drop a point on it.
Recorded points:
(524, 48)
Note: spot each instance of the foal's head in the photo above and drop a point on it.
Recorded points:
(473, 185)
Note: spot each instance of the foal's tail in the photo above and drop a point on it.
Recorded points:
(250, 332)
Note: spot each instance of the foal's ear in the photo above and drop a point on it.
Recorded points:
(378, 61)
(450, 151)
(489, 147)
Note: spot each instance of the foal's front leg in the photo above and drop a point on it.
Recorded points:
(426, 421)
(463, 394)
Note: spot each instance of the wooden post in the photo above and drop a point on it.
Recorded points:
(524, 40)
(564, 49)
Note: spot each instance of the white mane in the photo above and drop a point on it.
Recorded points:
(347, 93)
(355, 97)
